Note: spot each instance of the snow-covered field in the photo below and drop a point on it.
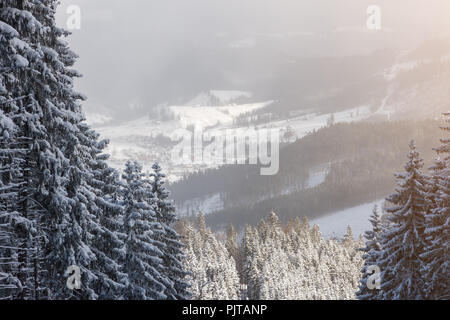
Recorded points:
(303, 125)
(220, 97)
(140, 139)
(137, 139)
(357, 218)
(201, 117)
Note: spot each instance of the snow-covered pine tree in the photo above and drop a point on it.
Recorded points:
(173, 255)
(316, 235)
(61, 189)
(252, 261)
(64, 155)
(212, 271)
(371, 254)
(102, 192)
(197, 277)
(404, 240)
(233, 248)
(436, 256)
(10, 285)
(349, 239)
(143, 256)
(247, 250)
(29, 154)
(201, 224)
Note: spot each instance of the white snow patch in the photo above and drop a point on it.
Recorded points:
(218, 97)
(208, 116)
(207, 204)
(20, 61)
(317, 177)
(134, 137)
(335, 224)
(392, 72)
(306, 124)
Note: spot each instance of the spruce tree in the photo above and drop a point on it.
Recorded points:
(233, 248)
(65, 211)
(404, 240)
(24, 97)
(371, 254)
(348, 237)
(173, 255)
(10, 284)
(107, 239)
(143, 256)
(436, 256)
(212, 271)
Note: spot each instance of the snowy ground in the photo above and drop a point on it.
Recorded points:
(220, 96)
(357, 218)
(215, 112)
(306, 124)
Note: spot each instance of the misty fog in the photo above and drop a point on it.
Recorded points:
(156, 52)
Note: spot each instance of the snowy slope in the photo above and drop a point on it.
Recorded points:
(357, 218)
(417, 85)
(184, 116)
(138, 139)
(218, 98)
(306, 124)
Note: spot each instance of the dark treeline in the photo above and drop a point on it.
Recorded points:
(360, 156)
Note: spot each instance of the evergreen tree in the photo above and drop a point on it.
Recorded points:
(10, 285)
(107, 241)
(212, 271)
(62, 208)
(371, 254)
(348, 237)
(233, 248)
(173, 256)
(404, 241)
(143, 255)
(61, 204)
(436, 256)
(25, 99)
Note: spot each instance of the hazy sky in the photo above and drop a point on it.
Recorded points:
(148, 52)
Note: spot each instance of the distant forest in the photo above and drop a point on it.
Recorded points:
(360, 156)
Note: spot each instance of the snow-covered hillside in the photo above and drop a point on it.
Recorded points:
(148, 140)
(335, 224)
(218, 98)
(416, 85)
